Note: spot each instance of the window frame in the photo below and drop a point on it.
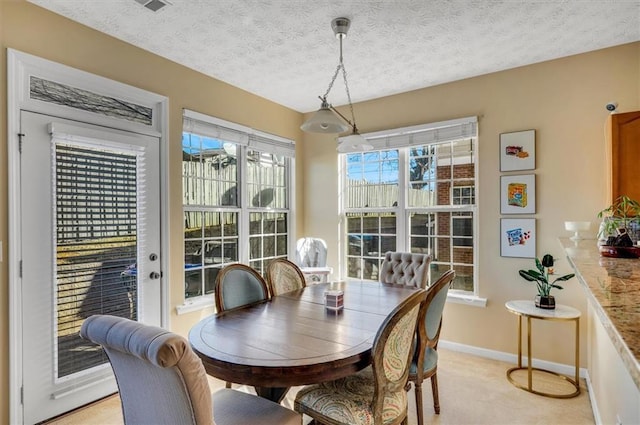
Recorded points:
(243, 208)
(383, 140)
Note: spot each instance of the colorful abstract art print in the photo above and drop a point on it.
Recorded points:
(518, 150)
(518, 237)
(518, 194)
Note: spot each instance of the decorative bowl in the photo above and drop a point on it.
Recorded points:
(576, 227)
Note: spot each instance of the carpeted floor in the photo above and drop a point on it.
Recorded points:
(473, 390)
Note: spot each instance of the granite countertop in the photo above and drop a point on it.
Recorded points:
(613, 288)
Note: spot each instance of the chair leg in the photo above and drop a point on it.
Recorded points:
(418, 390)
(434, 390)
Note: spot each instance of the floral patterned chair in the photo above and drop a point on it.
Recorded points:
(425, 359)
(284, 276)
(376, 395)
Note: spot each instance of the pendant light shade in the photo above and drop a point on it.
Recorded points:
(324, 120)
(327, 119)
(353, 143)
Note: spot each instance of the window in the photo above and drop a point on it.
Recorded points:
(414, 192)
(462, 223)
(463, 195)
(236, 198)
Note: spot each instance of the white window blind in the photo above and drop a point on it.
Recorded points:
(195, 122)
(432, 133)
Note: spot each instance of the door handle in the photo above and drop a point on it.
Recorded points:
(154, 275)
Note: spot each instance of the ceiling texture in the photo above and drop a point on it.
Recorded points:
(285, 50)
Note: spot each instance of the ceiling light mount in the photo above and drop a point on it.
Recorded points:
(340, 27)
(327, 119)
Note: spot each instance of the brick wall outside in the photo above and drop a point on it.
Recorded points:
(443, 190)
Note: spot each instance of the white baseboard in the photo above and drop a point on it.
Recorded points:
(592, 399)
(563, 369)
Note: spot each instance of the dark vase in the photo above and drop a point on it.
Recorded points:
(546, 302)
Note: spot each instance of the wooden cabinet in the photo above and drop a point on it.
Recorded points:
(623, 133)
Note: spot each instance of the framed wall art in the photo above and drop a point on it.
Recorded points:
(518, 150)
(518, 237)
(518, 194)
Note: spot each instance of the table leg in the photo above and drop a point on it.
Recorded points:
(529, 386)
(578, 353)
(530, 370)
(272, 393)
(519, 341)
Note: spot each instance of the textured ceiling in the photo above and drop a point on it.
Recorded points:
(285, 50)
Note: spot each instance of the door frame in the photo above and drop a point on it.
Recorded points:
(20, 66)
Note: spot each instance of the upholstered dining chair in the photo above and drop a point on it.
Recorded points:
(284, 276)
(405, 268)
(237, 286)
(424, 364)
(376, 395)
(162, 381)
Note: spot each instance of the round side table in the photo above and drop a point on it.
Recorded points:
(527, 308)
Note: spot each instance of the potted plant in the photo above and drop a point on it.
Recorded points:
(619, 228)
(541, 276)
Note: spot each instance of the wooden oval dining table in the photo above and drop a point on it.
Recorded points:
(293, 339)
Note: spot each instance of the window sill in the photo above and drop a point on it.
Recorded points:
(472, 300)
(196, 304)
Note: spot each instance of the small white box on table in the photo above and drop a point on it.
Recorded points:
(334, 299)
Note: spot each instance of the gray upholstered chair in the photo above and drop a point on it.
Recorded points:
(237, 286)
(284, 276)
(162, 381)
(376, 395)
(424, 364)
(406, 269)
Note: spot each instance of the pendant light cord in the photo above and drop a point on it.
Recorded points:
(346, 85)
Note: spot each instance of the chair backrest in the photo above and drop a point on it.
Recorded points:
(311, 252)
(238, 285)
(160, 379)
(430, 321)
(284, 276)
(406, 269)
(391, 354)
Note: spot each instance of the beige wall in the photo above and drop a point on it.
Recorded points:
(563, 100)
(33, 30)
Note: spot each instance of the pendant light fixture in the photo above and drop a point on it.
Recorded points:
(327, 119)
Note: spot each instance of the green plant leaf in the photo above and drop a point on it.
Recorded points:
(564, 278)
(532, 275)
(539, 266)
